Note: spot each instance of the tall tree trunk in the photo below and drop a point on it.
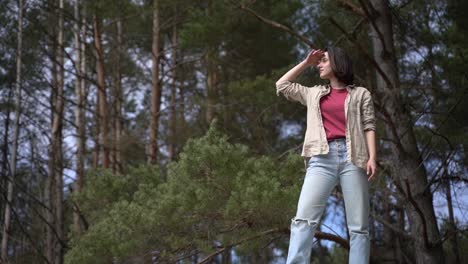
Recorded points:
(102, 94)
(50, 189)
(30, 182)
(212, 87)
(407, 171)
(4, 173)
(181, 107)
(96, 132)
(80, 69)
(117, 160)
(173, 124)
(156, 89)
(212, 95)
(14, 151)
(226, 257)
(388, 234)
(452, 227)
(401, 249)
(56, 138)
(182, 76)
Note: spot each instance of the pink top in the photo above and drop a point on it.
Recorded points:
(333, 113)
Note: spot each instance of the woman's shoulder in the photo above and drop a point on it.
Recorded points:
(288, 82)
(361, 90)
(315, 87)
(319, 86)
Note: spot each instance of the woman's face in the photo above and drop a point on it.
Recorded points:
(324, 67)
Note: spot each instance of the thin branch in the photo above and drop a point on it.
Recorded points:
(295, 148)
(319, 235)
(277, 25)
(363, 52)
(76, 208)
(351, 6)
(352, 33)
(389, 225)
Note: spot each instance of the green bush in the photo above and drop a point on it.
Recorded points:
(217, 193)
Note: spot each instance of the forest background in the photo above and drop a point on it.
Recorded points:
(149, 131)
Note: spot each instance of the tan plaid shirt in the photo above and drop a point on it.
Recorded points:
(359, 113)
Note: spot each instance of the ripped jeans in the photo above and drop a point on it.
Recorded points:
(324, 172)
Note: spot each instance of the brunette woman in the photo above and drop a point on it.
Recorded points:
(339, 148)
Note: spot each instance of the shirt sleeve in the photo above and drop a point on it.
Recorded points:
(293, 91)
(367, 112)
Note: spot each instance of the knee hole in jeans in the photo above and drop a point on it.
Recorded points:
(299, 220)
(359, 232)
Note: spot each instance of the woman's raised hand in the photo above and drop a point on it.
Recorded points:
(314, 57)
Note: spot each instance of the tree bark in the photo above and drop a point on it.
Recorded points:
(401, 249)
(50, 189)
(212, 95)
(226, 257)
(80, 69)
(173, 124)
(14, 151)
(156, 89)
(56, 143)
(55, 227)
(102, 93)
(96, 132)
(117, 160)
(212, 87)
(407, 170)
(452, 227)
(5, 166)
(181, 107)
(388, 234)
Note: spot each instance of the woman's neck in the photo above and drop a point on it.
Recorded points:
(335, 83)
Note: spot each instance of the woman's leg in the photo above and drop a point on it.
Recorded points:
(320, 179)
(355, 189)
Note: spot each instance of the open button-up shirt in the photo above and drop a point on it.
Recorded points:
(359, 113)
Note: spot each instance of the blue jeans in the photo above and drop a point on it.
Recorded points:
(324, 172)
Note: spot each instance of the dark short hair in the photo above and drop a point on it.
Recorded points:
(341, 64)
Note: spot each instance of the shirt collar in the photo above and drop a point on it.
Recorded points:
(349, 87)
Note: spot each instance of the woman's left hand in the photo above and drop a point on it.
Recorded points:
(371, 169)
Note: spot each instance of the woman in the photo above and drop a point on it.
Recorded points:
(339, 147)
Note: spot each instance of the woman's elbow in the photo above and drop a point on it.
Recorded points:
(280, 81)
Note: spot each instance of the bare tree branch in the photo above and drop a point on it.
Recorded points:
(389, 225)
(319, 235)
(351, 6)
(352, 33)
(363, 52)
(278, 25)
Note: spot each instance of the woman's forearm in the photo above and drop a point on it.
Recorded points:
(371, 144)
(294, 72)
(312, 59)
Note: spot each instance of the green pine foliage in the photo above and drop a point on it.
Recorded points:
(259, 122)
(337, 255)
(218, 193)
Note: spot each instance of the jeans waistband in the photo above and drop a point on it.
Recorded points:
(334, 143)
(337, 140)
